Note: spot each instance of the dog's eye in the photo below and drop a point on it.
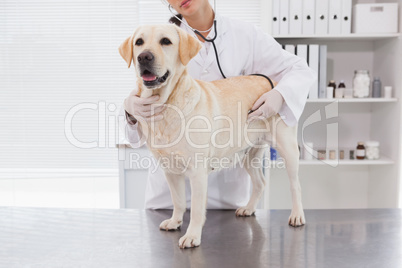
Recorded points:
(139, 42)
(165, 41)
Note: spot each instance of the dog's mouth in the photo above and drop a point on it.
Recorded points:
(150, 79)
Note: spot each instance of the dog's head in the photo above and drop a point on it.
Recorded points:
(158, 52)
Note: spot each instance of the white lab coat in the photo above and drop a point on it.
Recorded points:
(243, 49)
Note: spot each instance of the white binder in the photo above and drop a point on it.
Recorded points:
(346, 22)
(284, 17)
(295, 17)
(322, 75)
(335, 17)
(308, 13)
(321, 17)
(313, 59)
(275, 17)
(301, 51)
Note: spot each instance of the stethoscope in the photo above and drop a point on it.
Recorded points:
(212, 41)
(200, 35)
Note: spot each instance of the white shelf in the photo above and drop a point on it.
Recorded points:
(353, 100)
(347, 162)
(351, 183)
(351, 36)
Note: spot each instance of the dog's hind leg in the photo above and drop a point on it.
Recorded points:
(177, 188)
(288, 149)
(254, 169)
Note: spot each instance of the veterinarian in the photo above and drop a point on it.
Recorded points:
(242, 49)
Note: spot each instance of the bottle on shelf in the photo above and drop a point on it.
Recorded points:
(342, 154)
(352, 154)
(332, 154)
(372, 150)
(387, 92)
(333, 85)
(360, 151)
(330, 92)
(361, 84)
(376, 88)
(339, 92)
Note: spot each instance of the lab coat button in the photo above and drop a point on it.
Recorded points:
(205, 72)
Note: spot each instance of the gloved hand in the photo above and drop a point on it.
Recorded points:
(266, 106)
(146, 108)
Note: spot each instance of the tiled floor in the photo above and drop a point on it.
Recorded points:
(87, 192)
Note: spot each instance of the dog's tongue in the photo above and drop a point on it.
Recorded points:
(148, 77)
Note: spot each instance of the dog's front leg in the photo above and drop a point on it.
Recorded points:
(177, 188)
(198, 182)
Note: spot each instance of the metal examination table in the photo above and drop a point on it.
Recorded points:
(51, 237)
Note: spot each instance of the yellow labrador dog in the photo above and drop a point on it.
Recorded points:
(204, 126)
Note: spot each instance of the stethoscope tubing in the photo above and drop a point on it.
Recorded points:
(205, 39)
(213, 44)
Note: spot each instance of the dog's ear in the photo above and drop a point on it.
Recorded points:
(188, 47)
(126, 50)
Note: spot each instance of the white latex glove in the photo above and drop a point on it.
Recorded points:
(145, 108)
(266, 106)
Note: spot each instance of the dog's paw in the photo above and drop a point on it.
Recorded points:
(170, 225)
(245, 212)
(189, 241)
(297, 219)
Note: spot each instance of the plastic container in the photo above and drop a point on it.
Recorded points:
(333, 85)
(330, 92)
(388, 92)
(352, 154)
(339, 92)
(322, 154)
(376, 88)
(361, 84)
(372, 150)
(332, 154)
(341, 154)
(360, 151)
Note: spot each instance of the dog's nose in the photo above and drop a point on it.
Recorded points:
(145, 57)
